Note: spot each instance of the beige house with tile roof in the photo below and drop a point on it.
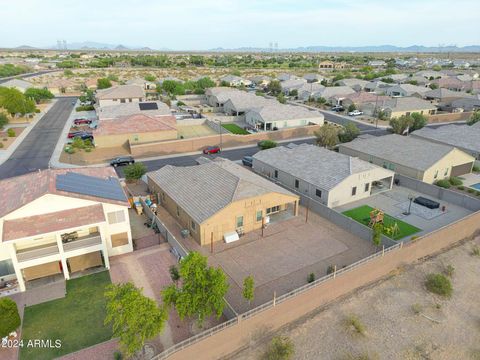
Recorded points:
(56, 223)
(219, 198)
(120, 94)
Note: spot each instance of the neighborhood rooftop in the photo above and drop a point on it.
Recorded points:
(138, 123)
(314, 164)
(152, 108)
(461, 136)
(404, 150)
(202, 190)
(121, 92)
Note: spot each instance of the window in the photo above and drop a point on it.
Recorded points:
(354, 191)
(119, 239)
(122, 101)
(318, 193)
(297, 183)
(116, 217)
(259, 215)
(239, 221)
(273, 209)
(192, 225)
(275, 174)
(367, 187)
(6, 268)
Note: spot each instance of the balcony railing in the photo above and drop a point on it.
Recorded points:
(83, 243)
(37, 252)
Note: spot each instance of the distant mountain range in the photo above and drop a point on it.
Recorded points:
(91, 45)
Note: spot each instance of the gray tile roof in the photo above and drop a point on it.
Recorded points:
(442, 93)
(276, 112)
(205, 189)
(243, 101)
(315, 165)
(460, 136)
(403, 150)
(407, 103)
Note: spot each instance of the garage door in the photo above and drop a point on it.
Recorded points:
(39, 271)
(462, 169)
(83, 262)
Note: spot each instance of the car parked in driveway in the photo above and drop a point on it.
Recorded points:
(82, 121)
(355, 113)
(122, 160)
(211, 150)
(247, 161)
(73, 134)
(338, 108)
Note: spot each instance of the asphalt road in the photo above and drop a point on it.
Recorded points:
(28, 75)
(36, 149)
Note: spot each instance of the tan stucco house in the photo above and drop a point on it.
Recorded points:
(56, 223)
(120, 94)
(330, 178)
(410, 156)
(216, 198)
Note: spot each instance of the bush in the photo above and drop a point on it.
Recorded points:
(439, 284)
(85, 108)
(1, 145)
(134, 171)
(471, 191)
(357, 325)
(455, 181)
(449, 270)
(476, 251)
(3, 120)
(461, 187)
(9, 317)
(416, 308)
(117, 355)
(443, 183)
(330, 269)
(280, 348)
(11, 133)
(311, 278)
(267, 144)
(476, 168)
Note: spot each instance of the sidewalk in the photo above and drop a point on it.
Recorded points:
(5, 154)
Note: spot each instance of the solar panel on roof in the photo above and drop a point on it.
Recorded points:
(148, 106)
(106, 188)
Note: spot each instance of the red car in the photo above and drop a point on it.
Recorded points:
(211, 150)
(82, 121)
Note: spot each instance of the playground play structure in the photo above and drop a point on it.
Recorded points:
(376, 217)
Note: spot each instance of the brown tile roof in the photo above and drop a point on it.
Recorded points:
(21, 190)
(47, 223)
(121, 92)
(134, 124)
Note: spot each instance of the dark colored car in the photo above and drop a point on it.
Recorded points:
(85, 136)
(247, 161)
(74, 134)
(82, 121)
(338, 108)
(211, 150)
(122, 160)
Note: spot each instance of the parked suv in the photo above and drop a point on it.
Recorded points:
(247, 161)
(338, 108)
(122, 160)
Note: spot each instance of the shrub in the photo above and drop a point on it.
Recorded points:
(476, 251)
(443, 183)
(354, 321)
(416, 308)
(1, 145)
(461, 187)
(477, 193)
(9, 317)
(449, 270)
(134, 171)
(455, 181)
(3, 120)
(476, 168)
(439, 284)
(85, 108)
(267, 144)
(311, 278)
(330, 269)
(11, 133)
(280, 348)
(117, 355)
(471, 191)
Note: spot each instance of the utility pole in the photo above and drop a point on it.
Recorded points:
(220, 130)
(211, 243)
(308, 207)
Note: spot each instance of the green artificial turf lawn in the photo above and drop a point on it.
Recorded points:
(235, 129)
(77, 319)
(362, 215)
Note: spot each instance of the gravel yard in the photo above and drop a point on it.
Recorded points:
(401, 319)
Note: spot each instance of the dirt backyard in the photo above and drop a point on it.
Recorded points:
(400, 319)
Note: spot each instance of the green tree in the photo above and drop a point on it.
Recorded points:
(401, 124)
(201, 291)
(103, 83)
(68, 72)
(281, 98)
(419, 121)
(150, 77)
(135, 318)
(377, 231)
(135, 171)
(9, 317)
(15, 101)
(274, 87)
(474, 118)
(280, 348)
(3, 120)
(327, 136)
(293, 92)
(174, 274)
(267, 144)
(351, 108)
(249, 288)
(321, 100)
(349, 133)
(38, 94)
(433, 86)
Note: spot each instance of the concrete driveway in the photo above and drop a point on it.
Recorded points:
(36, 149)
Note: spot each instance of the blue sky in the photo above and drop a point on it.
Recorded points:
(205, 24)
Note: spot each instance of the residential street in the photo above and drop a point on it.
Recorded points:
(36, 149)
